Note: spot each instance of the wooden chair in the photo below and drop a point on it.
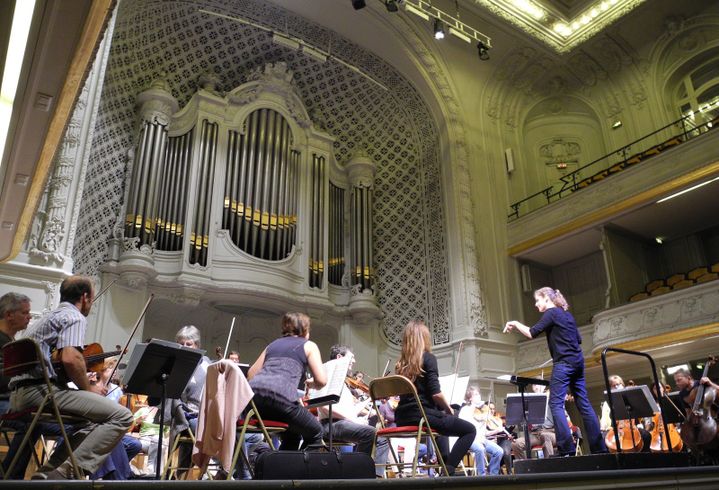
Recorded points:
(396, 385)
(21, 357)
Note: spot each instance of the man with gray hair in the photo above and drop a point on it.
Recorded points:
(14, 317)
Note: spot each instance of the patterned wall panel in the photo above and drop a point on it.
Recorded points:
(392, 126)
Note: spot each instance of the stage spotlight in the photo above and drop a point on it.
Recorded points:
(358, 4)
(392, 5)
(438, 29)
(483, 51)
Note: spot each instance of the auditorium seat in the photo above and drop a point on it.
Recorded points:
(654, 285)
(638, 297)
(715, 267)
(684, 283)
(654, 150)
(672, 280)
(709, 276)
(694, 273)
(671, 142)
(660, 290)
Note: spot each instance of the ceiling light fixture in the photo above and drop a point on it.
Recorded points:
(391, 5)
(438, 29)
(459, 29)
(483, 51)
(617, 124)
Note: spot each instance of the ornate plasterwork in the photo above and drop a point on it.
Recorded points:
(678, 310)
(558, 31)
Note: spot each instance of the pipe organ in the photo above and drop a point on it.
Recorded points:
(240, 193)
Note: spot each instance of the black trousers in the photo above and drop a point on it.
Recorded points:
(302, 424)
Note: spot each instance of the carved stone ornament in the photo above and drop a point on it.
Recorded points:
(48, 247)
(278, 79)
(560, 150)
(156, 104)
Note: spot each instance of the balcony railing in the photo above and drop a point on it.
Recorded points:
(680, 131)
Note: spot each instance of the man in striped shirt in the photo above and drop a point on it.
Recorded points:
(63, 330)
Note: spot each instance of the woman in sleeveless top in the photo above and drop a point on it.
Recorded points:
(276, 374)
(419, 365)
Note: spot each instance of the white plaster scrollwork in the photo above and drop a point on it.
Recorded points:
(52, 292)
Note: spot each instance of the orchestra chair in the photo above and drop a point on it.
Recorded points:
(183, 437)
(20, 357)
(253, 423)
(396, 385)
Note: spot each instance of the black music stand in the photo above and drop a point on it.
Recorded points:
(160, 369)
(524, 409)
(672, 404)
(631, 403)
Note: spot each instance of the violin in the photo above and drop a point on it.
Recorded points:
(94, 358)
(700, 427)
(357, 384)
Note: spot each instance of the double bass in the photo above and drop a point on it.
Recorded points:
(700, 427)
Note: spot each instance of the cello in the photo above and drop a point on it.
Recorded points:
(700, 427)
(660, 439)
(630, 439)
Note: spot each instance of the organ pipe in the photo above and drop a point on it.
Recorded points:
(361, 171)
(260, 195)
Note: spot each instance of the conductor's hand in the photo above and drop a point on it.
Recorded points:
(509, 326)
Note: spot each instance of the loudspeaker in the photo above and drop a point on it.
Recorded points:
(509, 160)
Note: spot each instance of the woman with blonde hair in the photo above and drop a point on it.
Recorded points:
(419, 365)
(564, 342)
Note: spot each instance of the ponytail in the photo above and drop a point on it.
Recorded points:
(554, 295)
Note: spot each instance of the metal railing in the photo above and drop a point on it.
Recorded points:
(574, 181)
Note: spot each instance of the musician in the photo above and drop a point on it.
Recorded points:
(184, 411)
(275, 375)
(617, 383)
(14, 317)
(498, 433)
(542, 434)
(473, 413)
(685, 383)
(347, 422)
(419, 365)
(64, 329)
(234, 356)
(564, 342)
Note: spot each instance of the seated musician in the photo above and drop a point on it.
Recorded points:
(686, 383)
(498, 433)
(605, 422)
(538, 434)
(63, 329)
(419, 365)
(275, 375)
(473, 413)
(184, 411)
(348, 424)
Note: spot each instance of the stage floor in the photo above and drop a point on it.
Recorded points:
(705, 477)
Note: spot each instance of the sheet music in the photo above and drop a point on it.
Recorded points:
(460, 388)
(336, 371)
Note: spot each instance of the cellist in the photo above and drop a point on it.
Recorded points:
(686, 384)
(645, 438)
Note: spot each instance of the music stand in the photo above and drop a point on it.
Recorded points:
(672, 404)
(524, 409)
(166, 369)
(631, 403)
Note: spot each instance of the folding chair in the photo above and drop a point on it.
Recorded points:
(393, 385)
(253, 423)
(23, 356)
(172, 464)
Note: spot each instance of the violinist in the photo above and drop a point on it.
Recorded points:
(347, 424)
(477, 413)
(234, 356)
(645, 437)
(498, 433)
(63, 329)
(538, 434)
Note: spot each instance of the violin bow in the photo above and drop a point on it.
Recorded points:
(104, 290)
(132, 334)
(456, 370)
(385, 372)
(227, 345)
